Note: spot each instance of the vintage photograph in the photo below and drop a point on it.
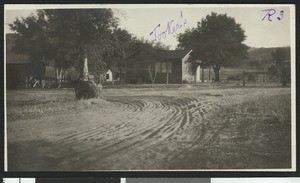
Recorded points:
(150, 87)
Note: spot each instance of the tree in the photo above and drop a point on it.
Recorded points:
(280, 55)
(82, 33)
(217, 41)
(33, 41)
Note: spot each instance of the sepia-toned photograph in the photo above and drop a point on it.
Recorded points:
(202, 87)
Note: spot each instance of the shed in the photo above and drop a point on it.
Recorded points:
(168, 66)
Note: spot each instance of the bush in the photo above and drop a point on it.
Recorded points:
(86, 89)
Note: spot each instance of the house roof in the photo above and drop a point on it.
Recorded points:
(172, 54)
(163, 54)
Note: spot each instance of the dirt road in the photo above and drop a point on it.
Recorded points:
(151, 130)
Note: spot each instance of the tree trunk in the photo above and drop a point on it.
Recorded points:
(283, 78)
(60, 78)
(217, 73)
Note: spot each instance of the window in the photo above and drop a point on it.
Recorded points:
(163, 67)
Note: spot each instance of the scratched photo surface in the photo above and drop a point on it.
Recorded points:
(150, 87)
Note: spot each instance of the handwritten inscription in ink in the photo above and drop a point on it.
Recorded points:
(270, 14)
(171, 28)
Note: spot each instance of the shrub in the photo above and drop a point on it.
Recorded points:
(185, 81)
(86, 89)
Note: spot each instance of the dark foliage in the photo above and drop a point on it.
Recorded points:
(216, 41)
(86, 89)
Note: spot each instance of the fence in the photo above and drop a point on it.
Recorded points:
(239, 76)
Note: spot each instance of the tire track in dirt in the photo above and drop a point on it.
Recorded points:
(137, 133)
(175, 121)
(167, 125)
(134, 132)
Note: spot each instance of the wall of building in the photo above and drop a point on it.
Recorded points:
(187, 73)
(16, 75)
(137, 69)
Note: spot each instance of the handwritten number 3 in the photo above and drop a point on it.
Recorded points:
(281, 13)
(270, 13)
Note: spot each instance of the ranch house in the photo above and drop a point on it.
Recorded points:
(17, 71)
(17, 66)
(165, 66)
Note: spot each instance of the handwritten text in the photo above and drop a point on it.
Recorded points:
(171, 28)
(269, 13)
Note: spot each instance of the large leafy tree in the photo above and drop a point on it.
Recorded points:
(81, 33)
(217, 41)
(33, 40)
(65, 35)
(281, 54)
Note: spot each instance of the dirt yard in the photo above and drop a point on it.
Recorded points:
(186, 128)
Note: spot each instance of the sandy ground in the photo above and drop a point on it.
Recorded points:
(140, 129)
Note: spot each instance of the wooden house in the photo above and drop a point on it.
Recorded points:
(17, 71)
(165, 66)
(17, 66)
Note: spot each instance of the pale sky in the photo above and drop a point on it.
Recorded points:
(141, 21)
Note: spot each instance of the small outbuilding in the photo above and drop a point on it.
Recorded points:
(109, 76)
(163, 66)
